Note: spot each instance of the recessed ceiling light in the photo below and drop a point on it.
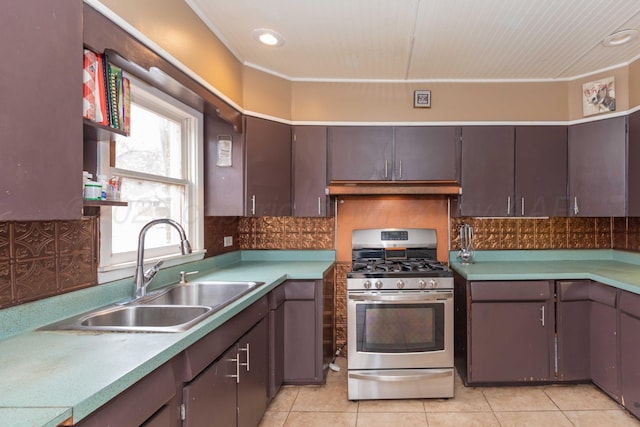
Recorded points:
(268, 37)
(620, 37)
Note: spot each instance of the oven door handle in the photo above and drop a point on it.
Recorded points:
(395, 378)
(443, 296)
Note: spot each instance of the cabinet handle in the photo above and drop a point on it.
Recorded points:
(248, 356)
(319, 206)
(400, 169)
(237, 375)
(575, 206)
(542, 315)
(386, 169)
(509, 205)
(253, 204)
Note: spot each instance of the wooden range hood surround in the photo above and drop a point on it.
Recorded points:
(353, 188)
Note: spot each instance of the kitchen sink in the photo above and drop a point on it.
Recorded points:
(214, 294)
(138, 318)
(172, 309)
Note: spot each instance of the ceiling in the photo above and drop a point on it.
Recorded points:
(426, 40)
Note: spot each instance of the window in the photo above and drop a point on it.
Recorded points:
(161, 169)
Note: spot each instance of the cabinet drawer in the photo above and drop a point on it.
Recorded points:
(630, 304)
(603, 294)
(300, 289)
(510, 291)
(577, 290)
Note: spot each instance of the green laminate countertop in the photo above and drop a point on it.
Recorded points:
(615, 268)
(46, 377)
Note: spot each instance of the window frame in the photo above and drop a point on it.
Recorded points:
(120, 266)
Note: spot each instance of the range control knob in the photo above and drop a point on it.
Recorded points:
(432, 284)
(367, 284)
(379, 284)
(400, 284)
(422, 284)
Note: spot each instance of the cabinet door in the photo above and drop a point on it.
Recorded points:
(223, 186)
(510, 341)
(309, 171)
(426, 153)
(210, 399)
(360, 153)
(253, 350)
(487, 171)
(572, 323)
(630, 351)
(541, 171)
(268, 167)
(41, 110)
(634, 160)
(303, 346)
(604, 341)
(597, 168)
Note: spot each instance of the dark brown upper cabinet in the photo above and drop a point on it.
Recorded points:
(487, 175)
(360, 153)
(223, 185)
(509, 171)
(633, 196)
(426, 153)
(41, 110)
(541, 171)
(384, 153)
(310, 171)
(598, 168)
(268, 168)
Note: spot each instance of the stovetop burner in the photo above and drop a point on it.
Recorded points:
(386, 266)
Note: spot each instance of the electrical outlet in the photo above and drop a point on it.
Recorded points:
(228, 241)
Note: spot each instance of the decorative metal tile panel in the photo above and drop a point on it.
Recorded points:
(548, 233)
(34, 239)
(39, 259)
(5, 284)
(35, 278)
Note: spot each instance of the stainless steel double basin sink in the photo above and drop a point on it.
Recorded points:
(172, 309)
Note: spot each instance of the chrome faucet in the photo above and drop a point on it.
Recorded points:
(143, 279)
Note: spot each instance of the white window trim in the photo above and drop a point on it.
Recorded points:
(109, 270)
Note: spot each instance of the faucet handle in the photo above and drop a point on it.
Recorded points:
(184, 274)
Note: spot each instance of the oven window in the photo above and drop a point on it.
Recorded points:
(400, 328)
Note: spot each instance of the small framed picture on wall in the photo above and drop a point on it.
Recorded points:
(422, 99)
(599, 96)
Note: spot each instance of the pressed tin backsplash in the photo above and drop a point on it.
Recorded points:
(39, 259)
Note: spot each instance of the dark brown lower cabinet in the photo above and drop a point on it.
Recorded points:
(630, 351)
(572, 321)
(511, 332)
(233, 390)
(603, 338)
(276, 340)
(211, 397)
(306, 358)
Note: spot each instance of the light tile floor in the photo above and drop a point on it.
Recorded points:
(546, 406)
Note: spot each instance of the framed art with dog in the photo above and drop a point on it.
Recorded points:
(599, 96)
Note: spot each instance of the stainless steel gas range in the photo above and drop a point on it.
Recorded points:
(399, 316)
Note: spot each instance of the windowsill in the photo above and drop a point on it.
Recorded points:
(109, 273)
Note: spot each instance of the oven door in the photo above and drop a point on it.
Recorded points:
(395, 330)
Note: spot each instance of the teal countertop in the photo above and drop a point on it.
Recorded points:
(47, 377)
(615, 268)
